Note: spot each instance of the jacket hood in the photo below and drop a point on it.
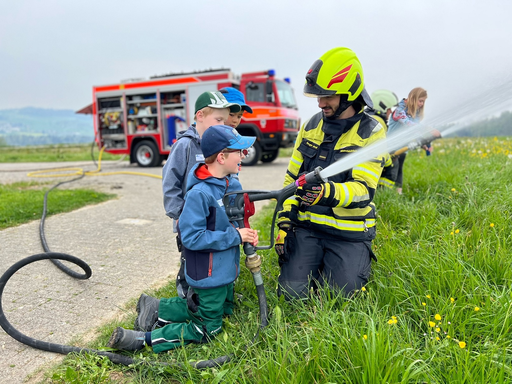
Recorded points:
(190, 132)
(199, 173)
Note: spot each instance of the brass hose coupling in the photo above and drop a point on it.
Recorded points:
(253, 263)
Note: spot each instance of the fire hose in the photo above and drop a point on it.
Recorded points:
(420, 143)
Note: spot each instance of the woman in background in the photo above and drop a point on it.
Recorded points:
(409, 112)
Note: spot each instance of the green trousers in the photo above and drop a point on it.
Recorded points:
(196, 319)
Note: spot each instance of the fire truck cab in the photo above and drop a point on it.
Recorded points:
(142, 118)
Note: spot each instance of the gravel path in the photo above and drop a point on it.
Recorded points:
(127, 241)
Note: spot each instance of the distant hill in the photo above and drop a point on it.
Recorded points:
(496, 126)
(39, 126)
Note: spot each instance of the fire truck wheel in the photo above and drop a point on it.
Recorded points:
(146, 154)
(253, 156)
(269, 156)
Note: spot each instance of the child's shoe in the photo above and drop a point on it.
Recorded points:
(147, 313)
(126, 340)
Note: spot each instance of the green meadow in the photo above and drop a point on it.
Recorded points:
(57, 152)
(437, 309)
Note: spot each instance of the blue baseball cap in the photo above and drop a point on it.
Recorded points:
(218, 137)
(233, 95)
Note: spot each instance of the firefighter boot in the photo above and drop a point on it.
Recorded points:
(126, 340)
(147, 313)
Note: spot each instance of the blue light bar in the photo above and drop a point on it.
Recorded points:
(287, 79)
(271, 72)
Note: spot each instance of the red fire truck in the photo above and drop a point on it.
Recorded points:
(141, 118)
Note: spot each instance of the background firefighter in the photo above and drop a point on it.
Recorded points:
(326, 230)
(383, 102)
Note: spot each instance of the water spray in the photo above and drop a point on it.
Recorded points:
(486, 104)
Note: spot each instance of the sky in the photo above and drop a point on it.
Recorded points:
(52, 52)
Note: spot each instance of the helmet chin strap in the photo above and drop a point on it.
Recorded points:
(344, 104)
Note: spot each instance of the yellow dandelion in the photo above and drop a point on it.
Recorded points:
(462, 344)
(393, 317)
(453, 189)
(437, 338)
(457, 231)
(437, 317)
(438, 329)
(477, 309)
(451, 233)
(428, 296)
(423, 304)
(448, 337)
(365, 337)
(452, 299)
(395, 321)
(363, 289)
(391, 321)
(431, 324)
(491, 225)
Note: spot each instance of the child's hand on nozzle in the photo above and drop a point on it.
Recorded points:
(248, 235)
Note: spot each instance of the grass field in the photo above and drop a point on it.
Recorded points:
(61, 152)
(437, 308)
(23, 202)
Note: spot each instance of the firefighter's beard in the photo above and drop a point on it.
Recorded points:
(341, 108)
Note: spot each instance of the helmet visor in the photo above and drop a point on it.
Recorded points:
(314, 90)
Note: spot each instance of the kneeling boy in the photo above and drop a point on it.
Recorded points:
(212, 254)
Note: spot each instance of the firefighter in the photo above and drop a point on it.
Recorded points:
(326, 229)
(383, 100)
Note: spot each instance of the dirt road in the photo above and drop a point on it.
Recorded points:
(127, 241)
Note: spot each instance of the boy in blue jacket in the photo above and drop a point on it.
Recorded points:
(186, 153)
(212, 253)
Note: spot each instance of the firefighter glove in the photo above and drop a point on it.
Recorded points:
(313, 194)
(279, 246)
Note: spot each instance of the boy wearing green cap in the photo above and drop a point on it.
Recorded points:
(211, 108)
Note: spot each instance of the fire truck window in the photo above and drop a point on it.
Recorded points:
(286, 96)
(255, 92)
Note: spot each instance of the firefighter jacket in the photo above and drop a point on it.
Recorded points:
(211, 242)
(388, 173)
(321, 142)
(380, 117)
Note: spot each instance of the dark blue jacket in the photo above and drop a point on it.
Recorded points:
(211, 243)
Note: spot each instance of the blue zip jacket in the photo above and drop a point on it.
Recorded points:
(211, 242)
